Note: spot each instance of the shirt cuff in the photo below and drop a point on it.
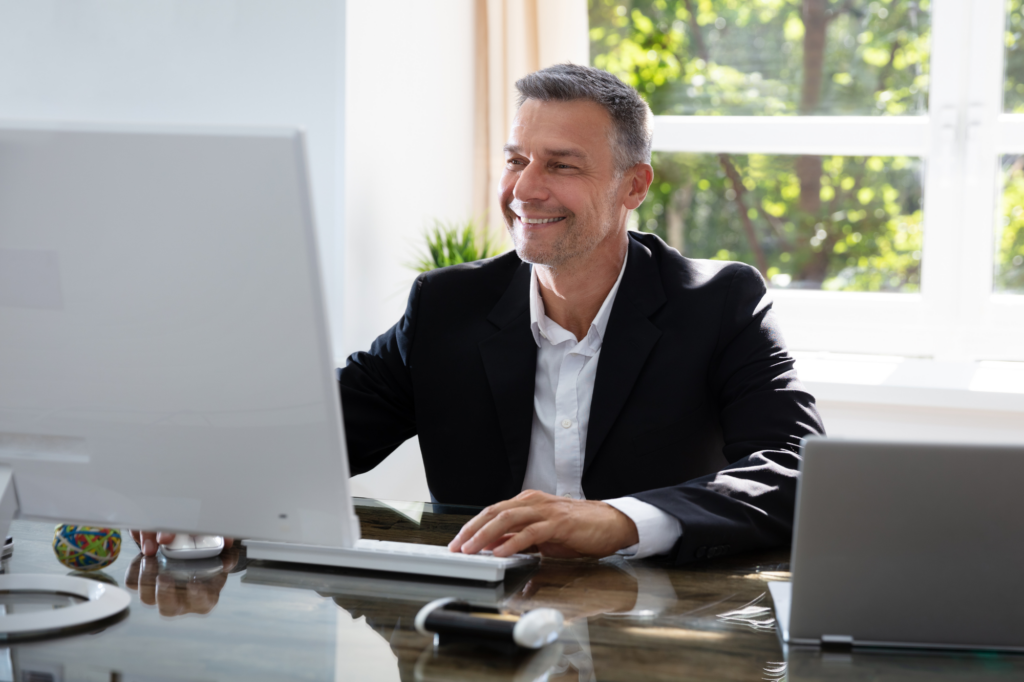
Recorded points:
(658, 530)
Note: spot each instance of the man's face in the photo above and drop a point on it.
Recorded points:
(560, 194)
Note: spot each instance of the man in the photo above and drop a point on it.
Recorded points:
(590, 364)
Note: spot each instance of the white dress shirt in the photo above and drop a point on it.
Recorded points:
(563, 388)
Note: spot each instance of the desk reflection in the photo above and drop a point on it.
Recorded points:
(586, 592)
(565, 586)
(178, 588)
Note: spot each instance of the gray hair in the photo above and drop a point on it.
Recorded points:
(630, 114)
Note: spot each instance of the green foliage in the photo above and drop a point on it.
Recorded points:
(451, 244)
(1013, 85)
(747, 57)
(833, 222)
(1009, 275)
(1009, 271)
(865, 236)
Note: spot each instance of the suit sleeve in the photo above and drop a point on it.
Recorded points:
(764, 413)
(377, 392)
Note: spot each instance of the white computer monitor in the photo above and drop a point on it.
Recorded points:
(165, 360)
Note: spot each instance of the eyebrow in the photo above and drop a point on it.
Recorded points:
(560, 153)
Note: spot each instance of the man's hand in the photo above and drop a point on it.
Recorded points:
(193, 587)
(555, 526)
(150, 542)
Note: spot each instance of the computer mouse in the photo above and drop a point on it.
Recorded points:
(186, 547)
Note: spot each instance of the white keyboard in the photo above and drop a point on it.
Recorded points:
(399, 557)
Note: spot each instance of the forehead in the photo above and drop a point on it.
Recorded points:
(580, 124)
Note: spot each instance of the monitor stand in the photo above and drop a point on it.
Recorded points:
(102, 601)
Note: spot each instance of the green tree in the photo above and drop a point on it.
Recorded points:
(1013, 84)
(1009, 275)
(835, 222)
(1009, 271)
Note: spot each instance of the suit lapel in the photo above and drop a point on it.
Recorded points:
(510, 362)
(628, 340)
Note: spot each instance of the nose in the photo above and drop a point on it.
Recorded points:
(530, 185)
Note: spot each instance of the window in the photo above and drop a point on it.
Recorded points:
(863, 155)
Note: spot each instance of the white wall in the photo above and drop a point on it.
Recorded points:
(409, 159)
(398, 78)
(208, 62)
(283, 62)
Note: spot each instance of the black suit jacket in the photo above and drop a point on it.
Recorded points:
(696, 409)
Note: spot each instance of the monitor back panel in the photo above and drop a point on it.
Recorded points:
(909, 544)
(164, 353)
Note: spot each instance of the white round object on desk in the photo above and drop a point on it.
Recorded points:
(538, 627)
(103, 602)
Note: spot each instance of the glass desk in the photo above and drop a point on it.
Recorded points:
(229, 619)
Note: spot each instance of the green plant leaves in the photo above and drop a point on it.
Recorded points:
(453, 243)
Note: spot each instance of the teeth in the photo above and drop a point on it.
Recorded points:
(540, 221)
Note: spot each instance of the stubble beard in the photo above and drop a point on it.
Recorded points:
(573, 242)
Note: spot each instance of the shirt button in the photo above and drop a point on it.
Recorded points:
(567, 496)
(566, 423)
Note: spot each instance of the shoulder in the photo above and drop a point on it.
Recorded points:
(710, 297)
(681, 275)
(477, 273)
(480, 283)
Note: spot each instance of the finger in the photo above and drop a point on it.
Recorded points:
(508, 521)
(474, 525)
(228, 542)
(532, 549)
(470, 528)
(493, 533)
(533, 534)
(131, 576)
(165, 538)
(168, 599)
(149, 544)
(147, 580)
(137, 537)
(498, 541)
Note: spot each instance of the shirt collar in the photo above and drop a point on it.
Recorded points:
(544, 328)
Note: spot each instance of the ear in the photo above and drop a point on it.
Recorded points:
(639, 178)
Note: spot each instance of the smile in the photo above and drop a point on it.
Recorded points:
(541, 221)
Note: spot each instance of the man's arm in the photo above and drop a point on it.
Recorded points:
(764, 413)
(377, 393)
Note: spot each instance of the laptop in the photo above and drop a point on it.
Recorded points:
(906, 545)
